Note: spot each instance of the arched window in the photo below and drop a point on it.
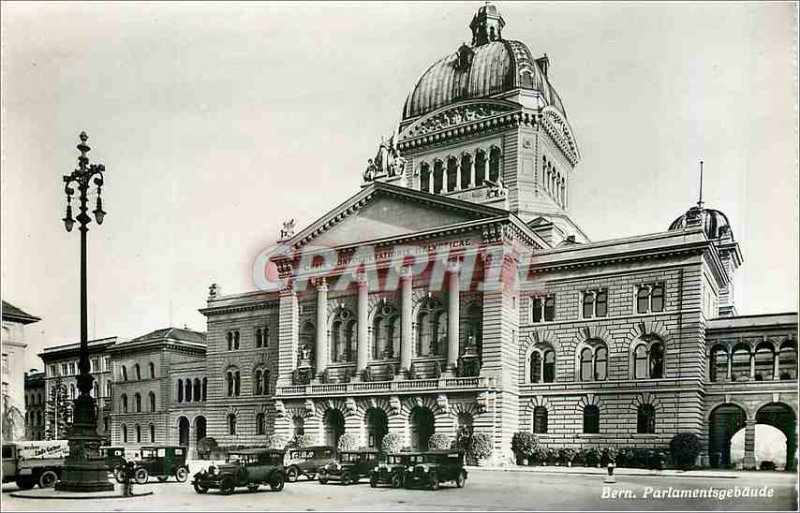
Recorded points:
(152, 429)
(765, 360)
(431, 328)
(261, 427)
(233, 380)
(740, 363)
(137, 399)
(480, 167)
(124, 400)
(542, 364)
(540, 419)
(187, 390)
(307, 337)
(646, 419)
(138, 434)
(549, 366)
(648, 359)
(152, 370)
(536, 367)
(640, 362)
(495, 164)
(124, 436)
(108, 388)
(787, 360)
(231, 424)
(591, 419)
(425, 177)
(656, 360)
(196, 389)
(205, 388)
(152, 399)
(593, 361)
(266, 381)
(719, 364)
(385, 332)
(466, 170)
(124, 373)
(259, 383)
(237, 384)
(452, 174)
(343, 332)
(138, 371)
(438, 176)
(298, 426)
(180, 390)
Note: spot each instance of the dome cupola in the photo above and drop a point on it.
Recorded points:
(715, 223)
(487, 25)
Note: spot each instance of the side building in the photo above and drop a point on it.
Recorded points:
(35, 409)
(13, 367)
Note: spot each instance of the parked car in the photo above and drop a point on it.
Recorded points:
(431, 468)
(350, 467)
(160, 461)
(392, 471)
(115, 460)
(307, 461)
(245, 467)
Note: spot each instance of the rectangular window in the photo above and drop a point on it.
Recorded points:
(63, 369)
(543, 309)
(95, 365)
(72, 368)
(650, 298)
(594, 303)
(536, 312)
(106, 363)
(53, 370)
(601, 304)
(550, 308)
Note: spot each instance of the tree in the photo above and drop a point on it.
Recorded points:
(58, 411)
(13, 420)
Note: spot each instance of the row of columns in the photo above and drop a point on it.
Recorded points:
(472, 171)
(752, 356)
(406, 322)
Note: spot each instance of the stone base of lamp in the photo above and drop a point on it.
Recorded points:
(84, 469)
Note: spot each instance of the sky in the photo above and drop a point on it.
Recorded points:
(218, 121)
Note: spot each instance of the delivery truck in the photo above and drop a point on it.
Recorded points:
(34, 463)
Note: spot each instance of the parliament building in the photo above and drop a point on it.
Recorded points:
(455, 290)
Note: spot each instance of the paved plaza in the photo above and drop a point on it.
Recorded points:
(485, 490)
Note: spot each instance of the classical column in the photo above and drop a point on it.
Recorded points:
(453, 299)
(458, 175)
(776, 365)
(363, 332)
(321, 350)
(750, 444)
(406, 280)
(729, 372)
(752, 366)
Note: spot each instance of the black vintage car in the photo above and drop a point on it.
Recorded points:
(350, 468)
(245, 467)
(162, 462)
(392, 471)
(431, 468)
(307, 461)
(114, 458)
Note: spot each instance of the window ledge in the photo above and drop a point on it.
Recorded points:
(591, 435)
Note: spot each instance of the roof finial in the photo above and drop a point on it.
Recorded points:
(700, 201)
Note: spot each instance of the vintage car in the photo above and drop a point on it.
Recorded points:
(114, 458)
(161, 461)
(392, 471)
(431, 468)
(306, 461)
(350, 467)
(244, 468)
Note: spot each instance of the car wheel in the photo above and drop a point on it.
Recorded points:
(47, 479)
(141, 475)
(323, 480)
(119, 475)
(200, 487)
(276, 482)
(461, 479)
(397, 480)
(252, 488)
(227, 486)
(161, 479)
(25, 483)
(373, 481)
(181, 474)
(346, 478)
(292, 474)
(433, 481)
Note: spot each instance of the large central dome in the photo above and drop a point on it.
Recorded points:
(488, 67)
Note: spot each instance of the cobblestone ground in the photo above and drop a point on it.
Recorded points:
(485, 490)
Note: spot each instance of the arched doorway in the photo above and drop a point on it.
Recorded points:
(333, 423)
(183, 432)
(724, 422)
(780, 416)
(422, 427)
(200, 428)
(377, 425)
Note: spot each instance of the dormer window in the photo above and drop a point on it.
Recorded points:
(594, 303)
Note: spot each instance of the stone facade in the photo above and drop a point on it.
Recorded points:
(34, 405)
(13, 371)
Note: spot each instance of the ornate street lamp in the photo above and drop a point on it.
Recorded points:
(84, 469)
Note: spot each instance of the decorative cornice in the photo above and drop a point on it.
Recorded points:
(558, 128)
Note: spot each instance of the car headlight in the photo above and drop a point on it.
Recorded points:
(212, 470)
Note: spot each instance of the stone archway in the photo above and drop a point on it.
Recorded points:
(782, 417)
(333, 426)
(422, 423)
(183, 432)
(724, 422)
(377, 425)
(200, 428)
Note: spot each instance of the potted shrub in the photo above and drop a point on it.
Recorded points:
(305, 441)
(685, 447)
(608, 455)
(540, 455)
(439, 441)
(482, 446)
(592, 457)
(348, 442)
(552, 456)
(524, 444)
(566, 455)
(277, 442)
(392, 442)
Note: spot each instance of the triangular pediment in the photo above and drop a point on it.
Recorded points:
(383, 211)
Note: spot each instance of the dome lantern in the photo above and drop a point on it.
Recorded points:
(486, 25)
